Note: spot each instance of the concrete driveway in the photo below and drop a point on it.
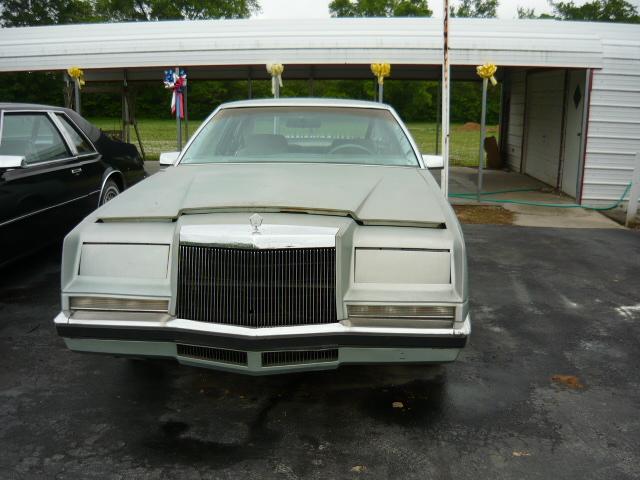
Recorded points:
(548, 387)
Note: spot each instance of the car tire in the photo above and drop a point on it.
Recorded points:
(109, 192)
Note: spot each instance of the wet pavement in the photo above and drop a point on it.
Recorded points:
(549, 386)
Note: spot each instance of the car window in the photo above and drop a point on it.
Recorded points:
(302, 134)
(33, 136)
(82, 145)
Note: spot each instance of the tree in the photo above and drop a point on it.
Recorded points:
(526, 13)
(380, 8)
(597, 11)
(475, 9)
(147, 10)
(22, 13)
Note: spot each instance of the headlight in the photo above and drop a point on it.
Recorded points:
(124, 260)
(405, 266)
(408, 316)
(118, 304)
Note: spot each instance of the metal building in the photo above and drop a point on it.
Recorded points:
(571, 102)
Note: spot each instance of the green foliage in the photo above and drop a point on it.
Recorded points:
(137, 10)
(21, 13)
(475, 8)
(466, 102)
(380, 8)
(618, 11)
(414, 100)
(597, 11)
(32, 87)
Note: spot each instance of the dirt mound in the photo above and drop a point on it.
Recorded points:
(469, 127)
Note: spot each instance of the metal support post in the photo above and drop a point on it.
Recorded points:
(483, 133)
(178, 120)
(76, 87)
(634, 194)
(126, 114)
(444, 182)
(186, 115)
(438, 111)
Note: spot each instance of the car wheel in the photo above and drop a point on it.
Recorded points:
(110, 191)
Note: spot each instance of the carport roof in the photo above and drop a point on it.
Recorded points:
(324, 48)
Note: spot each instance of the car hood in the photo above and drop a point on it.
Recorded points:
(374, 195)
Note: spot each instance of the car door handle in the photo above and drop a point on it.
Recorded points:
(76, 171)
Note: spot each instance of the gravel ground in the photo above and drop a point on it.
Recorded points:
(548, 387)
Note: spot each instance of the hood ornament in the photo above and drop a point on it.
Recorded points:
(256, 221)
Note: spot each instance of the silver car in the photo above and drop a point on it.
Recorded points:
(287, 235)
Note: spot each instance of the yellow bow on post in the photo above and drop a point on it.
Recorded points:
(488, 70)
(77, 74)
(381, 70)
(275, 70)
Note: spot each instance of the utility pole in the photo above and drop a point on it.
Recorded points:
(444, 179)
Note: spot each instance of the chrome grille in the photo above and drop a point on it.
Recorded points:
(257, 288)
(210, 353)
(296, 357)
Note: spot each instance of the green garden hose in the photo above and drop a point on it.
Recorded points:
(470, 196)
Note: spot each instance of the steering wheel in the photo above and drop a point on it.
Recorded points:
(352, 146)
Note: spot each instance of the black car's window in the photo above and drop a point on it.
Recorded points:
(33, 136)
(302, 134)
(82, 145)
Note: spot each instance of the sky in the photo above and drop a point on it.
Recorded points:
(320, 8)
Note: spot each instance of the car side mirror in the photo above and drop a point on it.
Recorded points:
(433, 162)
(169, 158)
(12, 161)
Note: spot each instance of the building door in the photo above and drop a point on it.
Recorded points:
(572, 150)
(543, 125)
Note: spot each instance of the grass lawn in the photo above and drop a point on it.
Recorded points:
(160, 136)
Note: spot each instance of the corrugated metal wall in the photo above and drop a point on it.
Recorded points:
(613, 133)
(614, 117)
(543, 123)
(515, 127)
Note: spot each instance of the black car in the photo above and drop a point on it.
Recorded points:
(55, 168)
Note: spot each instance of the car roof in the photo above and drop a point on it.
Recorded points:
(29, 106)
(306, 102)
(89, 129)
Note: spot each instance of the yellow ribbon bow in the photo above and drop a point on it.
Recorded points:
(275, 70)
(488, 70)
(77, 74)
(381, 70)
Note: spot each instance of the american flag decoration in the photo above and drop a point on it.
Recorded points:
(176, 80)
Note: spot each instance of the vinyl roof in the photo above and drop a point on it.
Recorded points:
(89, 129)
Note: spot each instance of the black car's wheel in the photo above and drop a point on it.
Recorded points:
(110, 191)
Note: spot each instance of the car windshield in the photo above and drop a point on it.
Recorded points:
(302, 134)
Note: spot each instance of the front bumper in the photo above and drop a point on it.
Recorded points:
(311, 347)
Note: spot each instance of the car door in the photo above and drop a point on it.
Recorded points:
(88, 162)
(39, 201)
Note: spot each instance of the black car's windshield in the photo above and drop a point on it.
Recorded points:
(302, 134)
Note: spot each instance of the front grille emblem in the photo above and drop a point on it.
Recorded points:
(256, 221)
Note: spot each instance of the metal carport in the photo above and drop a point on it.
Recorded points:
(609, 56)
